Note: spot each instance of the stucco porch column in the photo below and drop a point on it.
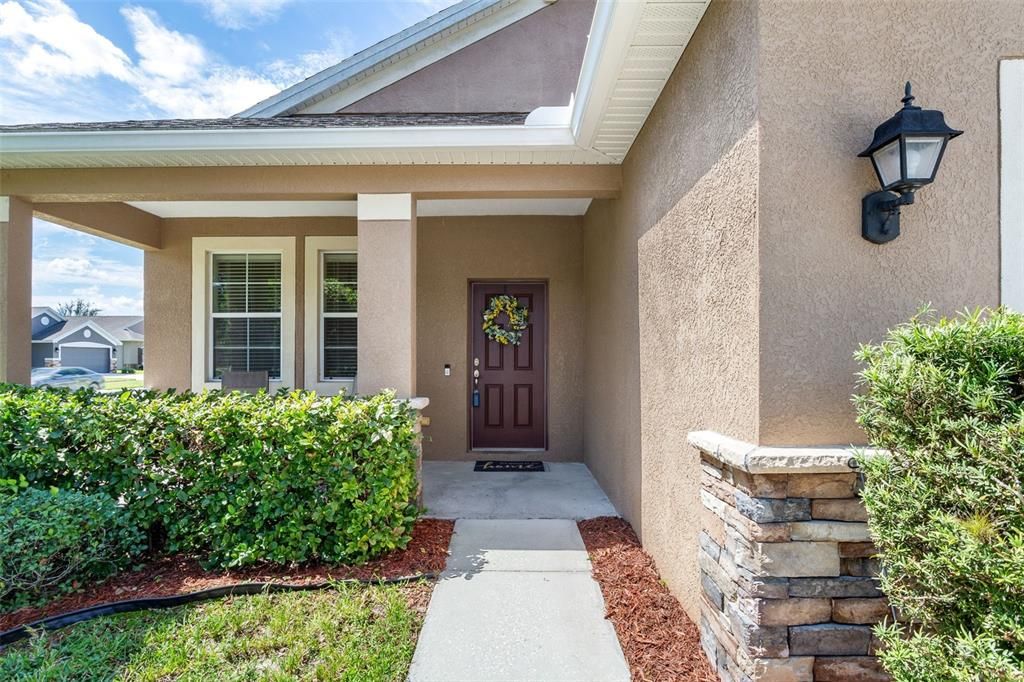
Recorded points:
(15, 290)
(387, 294)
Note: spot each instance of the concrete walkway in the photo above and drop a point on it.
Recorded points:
(517, 603)
(567, 490)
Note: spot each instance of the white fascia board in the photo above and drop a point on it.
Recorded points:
(397, 57)
(548, 138)
(611, 33)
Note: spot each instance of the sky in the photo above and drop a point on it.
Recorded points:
(111, 60)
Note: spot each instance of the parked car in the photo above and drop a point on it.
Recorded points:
(66, 377)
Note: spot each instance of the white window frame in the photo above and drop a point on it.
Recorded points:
(203, 250)
(313, 307)
(1011, 124)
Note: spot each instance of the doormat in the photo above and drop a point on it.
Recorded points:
(492, 465)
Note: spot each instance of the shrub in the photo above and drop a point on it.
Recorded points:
(283, 478)
(945, 397)
(51, 540)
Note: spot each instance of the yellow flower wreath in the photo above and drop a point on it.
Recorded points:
(517, 320)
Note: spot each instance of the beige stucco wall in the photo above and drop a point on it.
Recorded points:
(823, 89)
(671, 288)
(536, 61)
(168, 287)
(453, 251)
(387, 306)
(15, 290)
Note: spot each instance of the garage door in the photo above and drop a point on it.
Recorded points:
(96, 359)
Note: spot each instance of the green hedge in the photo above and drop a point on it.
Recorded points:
(52, 540)
(241, 478)
(946, 398)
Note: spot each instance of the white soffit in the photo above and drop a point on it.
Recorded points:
(295, 209)
(633, 49)
(394, 58)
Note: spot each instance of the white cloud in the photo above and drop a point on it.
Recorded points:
(84, 271)
(238, 14)
(48, 41)
(286, 72)
(164, 53)
(48, 56)
(108, 305)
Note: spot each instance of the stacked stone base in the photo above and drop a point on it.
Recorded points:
(789, 588)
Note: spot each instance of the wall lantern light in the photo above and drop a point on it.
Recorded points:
(906, 153)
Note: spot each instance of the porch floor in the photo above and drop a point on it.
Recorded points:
(567, 490)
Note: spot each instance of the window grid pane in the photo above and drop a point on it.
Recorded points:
(338, 321)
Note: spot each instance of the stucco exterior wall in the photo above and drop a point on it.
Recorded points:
(168, 287)
(824, 290)
(671, 289)
(535, 60)
(453, 251)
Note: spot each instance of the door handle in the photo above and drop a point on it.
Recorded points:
(476, 382)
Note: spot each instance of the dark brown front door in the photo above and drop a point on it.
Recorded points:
(509, 410)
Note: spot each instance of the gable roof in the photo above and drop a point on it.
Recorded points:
(632, 49)
(38, 310)
(115, 328)
(396, 57)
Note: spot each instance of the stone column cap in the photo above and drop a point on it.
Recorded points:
(758, 459)
(416, 403)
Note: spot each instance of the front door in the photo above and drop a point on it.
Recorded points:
(508, 398)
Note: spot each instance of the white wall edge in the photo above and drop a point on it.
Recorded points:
(5, 209)
(1011, 190)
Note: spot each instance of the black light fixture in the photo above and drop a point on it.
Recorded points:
(906, 154)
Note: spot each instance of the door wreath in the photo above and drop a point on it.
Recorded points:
(517, 320)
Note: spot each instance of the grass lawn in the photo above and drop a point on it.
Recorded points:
(118, 381)
(354, 633)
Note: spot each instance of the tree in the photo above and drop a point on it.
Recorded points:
(77, 307)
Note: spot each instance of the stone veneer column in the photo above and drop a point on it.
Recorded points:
(387, 294)
(788, 582)
(15, 290)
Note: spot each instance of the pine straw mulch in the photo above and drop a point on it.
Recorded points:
(179, 574)
(659, 640)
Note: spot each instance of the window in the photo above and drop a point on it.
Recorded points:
(245, 313)
(243, 308)
(330, 330)
(338, 316)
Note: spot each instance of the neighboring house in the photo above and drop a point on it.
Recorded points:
(671, 187)
(98, 342)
